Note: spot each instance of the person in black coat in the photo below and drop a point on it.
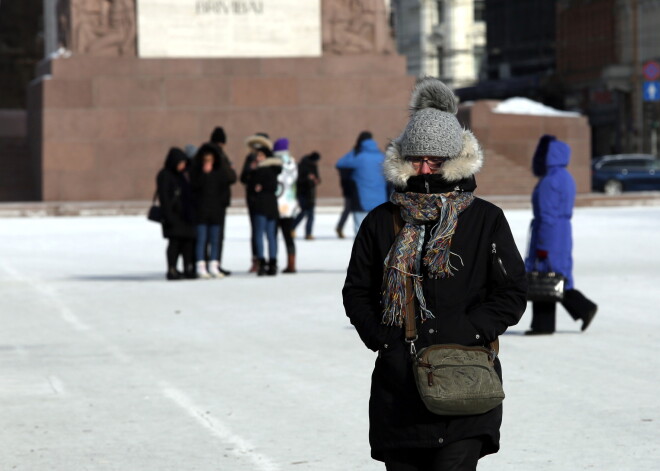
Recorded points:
(469, 279)
(308, 180)
(259, 139)
(175, 199)
(209, 184)
(224, 166)
(262, 183)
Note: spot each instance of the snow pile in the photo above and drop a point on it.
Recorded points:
(519, 105)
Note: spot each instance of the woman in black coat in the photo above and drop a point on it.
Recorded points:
(262, 183)
(451, 245)
(210, 184)
(259, 139)
(175, 199)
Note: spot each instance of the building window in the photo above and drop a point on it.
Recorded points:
(440, 6)
(479, 10)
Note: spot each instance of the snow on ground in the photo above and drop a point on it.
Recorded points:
(107, 366)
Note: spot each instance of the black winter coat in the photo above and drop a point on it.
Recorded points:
(265, 177)
(349, 189)
(306, 187)
(250, 195)
(175, 196)
(209, 191)
(228, 173)
(473, 307)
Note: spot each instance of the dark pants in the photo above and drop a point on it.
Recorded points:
(184, 247)
(459, 456)
(265, 226)
(253, 238)
(344, 214)
(306, 211)
(221, 236)
(544, 314)
(286, 224)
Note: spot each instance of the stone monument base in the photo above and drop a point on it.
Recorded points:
(509, 142)
(99, 128)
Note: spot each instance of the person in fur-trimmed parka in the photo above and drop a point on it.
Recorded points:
(469, 280)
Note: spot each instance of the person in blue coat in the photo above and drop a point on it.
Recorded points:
(367, 167)
(551, 239)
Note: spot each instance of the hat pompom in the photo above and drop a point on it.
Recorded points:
(432, 93)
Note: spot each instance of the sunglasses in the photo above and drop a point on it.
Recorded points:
(433, 162)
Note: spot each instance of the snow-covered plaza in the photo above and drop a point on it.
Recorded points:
(105, 365)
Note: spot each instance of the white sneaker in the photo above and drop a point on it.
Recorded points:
(214, 269)
(201, 270)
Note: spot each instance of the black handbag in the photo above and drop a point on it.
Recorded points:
(155, 212)
(545, 286)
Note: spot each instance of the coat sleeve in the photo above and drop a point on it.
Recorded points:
(227, 169)
(361, 293)
(165, 191)
(347, 162)
(506, 297)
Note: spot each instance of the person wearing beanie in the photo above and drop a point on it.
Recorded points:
(366, 163)
(260, 139)
(308, 180)
(262, 183)
(551, 239)
(228, 174)
(464, 273)
(287, 200)
(174, 196)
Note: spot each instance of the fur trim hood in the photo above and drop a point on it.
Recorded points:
(433, 130)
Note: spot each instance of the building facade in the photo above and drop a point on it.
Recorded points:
(442, 38)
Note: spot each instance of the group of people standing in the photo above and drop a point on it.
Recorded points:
(194, 191)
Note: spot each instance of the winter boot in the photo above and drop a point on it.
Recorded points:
(214, 269)
(173, 274)
(291, 264)
(263, 267)
(201, 270)
(272, 267)
(255, 265)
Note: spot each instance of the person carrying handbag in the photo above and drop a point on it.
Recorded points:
(551, 239)
(464, 295)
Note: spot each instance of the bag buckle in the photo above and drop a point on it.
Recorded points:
(413, 350)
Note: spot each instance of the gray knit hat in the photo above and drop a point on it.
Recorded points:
(433, 130)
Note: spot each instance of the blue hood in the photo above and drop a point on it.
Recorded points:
(550, 153)
(369, 145)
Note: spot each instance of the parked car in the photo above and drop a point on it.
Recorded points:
(613, 174)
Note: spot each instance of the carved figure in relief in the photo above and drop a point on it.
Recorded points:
(98, 27)
(356, 26)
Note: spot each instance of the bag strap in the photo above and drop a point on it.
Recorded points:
(153, 200)
(410, 323)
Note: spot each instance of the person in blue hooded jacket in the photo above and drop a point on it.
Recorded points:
(367, 168)
(551, 239)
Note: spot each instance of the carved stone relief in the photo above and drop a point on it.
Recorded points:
(98, 27)
(356, 26)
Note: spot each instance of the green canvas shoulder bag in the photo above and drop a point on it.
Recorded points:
(451, 379)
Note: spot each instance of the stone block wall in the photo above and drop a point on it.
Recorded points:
(509, 141)
(101, 127)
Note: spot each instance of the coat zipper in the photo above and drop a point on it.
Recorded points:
(499, 261)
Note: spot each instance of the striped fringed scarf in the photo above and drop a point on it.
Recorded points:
(405, 256)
